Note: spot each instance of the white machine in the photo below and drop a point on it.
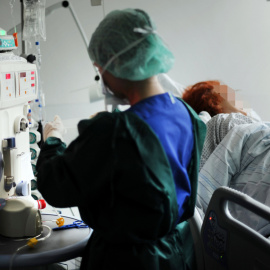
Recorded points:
(19, 214)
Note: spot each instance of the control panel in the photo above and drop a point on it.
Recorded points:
(7, 43)
(18, 83)
(215, 239)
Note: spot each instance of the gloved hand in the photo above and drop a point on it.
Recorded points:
(54, 129)
(95, 114)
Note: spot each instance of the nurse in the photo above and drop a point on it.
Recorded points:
(132, 174)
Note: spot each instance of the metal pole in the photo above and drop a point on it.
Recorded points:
(24, 47)
(79, 26)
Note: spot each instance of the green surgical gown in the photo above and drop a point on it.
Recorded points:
(118, 175)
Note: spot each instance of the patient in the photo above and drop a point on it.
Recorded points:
(236, 151)
(212, 97)
(216, 105)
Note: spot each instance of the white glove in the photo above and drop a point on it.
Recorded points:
(54, 129)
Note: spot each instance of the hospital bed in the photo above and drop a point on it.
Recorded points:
(222, 242)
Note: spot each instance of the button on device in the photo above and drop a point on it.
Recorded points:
(22, 189)
(9, 143)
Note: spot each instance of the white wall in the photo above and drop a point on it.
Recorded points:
(227, 40)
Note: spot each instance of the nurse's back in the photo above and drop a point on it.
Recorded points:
(170, 120)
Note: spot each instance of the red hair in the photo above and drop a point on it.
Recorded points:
(202, 97)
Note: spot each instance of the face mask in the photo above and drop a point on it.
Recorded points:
(105, 88)
(110, 99)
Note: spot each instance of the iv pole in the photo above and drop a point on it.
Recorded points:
(48, 11)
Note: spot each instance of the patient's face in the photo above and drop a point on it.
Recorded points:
(226, 92)
(229, 103)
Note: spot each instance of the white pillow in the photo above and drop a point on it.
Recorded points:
(205, 116)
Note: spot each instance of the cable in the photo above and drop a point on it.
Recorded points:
(48, 235)
(23, 239)
(13, 256)
(30, 243)
(59, 222)
(57, 213)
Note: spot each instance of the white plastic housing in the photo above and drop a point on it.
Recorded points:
(18, 86)
(20, 218)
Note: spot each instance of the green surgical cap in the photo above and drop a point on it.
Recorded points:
(128, 54)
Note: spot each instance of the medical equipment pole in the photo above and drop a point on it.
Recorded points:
(72, 11)
(24, 47)
(48, 11)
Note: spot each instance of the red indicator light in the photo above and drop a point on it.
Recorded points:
(32, 78)
(32, 72)
(32, 84)
(210, 218)
(8, 76)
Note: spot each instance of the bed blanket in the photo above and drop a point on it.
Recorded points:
(241, 161)
(217, 128)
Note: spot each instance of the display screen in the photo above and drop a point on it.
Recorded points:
(23, 74)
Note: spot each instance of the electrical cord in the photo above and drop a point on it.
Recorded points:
(31, 243)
